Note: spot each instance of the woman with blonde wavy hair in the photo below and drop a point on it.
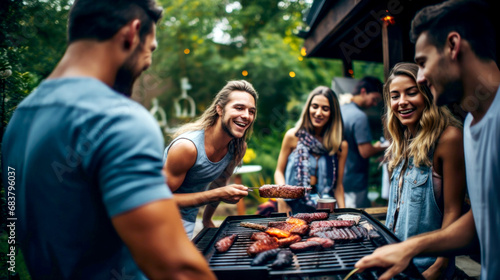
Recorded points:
(313, 153)
(426, 163)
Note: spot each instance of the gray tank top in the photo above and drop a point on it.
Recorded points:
(203, 171)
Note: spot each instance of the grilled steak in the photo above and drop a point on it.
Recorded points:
(338, 234)
(282, 191)
(309, 217)
(300, 229)
(285, 242)
(278, 232)
(225, 243)
(260, 236)
(332, 223)
(296, 221)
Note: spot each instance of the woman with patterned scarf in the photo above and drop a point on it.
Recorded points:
(313, 153)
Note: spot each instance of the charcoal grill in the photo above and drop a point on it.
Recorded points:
(327, 264)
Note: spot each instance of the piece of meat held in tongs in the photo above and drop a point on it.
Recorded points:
(260, 246)
(282, 191)
(309, 217)
(225, 243)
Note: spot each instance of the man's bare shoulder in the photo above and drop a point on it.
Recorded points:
(183, 152)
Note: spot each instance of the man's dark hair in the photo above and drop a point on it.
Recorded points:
(101, 19)
(370, 84)
(467, 17)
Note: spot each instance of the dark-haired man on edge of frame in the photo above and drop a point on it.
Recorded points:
(455, 51)
(83, 161)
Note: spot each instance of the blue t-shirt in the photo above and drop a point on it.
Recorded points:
(356, 131)
(80, 154)
(482, 165)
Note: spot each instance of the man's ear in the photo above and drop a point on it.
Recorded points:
(219, 110)
(131, 34)
(453, 42)
(362, 91)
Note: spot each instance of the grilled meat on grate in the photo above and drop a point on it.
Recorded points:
(225, 243)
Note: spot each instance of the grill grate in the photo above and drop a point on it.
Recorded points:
(324, 264)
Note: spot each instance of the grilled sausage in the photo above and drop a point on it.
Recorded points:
(260, 246)
(309, 217)
(263, 257)
(282, 191)
(305, 246)
(325, 242)
(283, 259)
(253, 225)
(225, 243)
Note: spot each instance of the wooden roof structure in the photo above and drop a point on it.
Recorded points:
(367, 30)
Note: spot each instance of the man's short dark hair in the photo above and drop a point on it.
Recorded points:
(467, 17)
(101, 19)
(370, 84)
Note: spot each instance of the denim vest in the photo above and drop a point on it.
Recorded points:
(418, 211)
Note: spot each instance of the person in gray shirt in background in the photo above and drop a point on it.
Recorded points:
(357, 133)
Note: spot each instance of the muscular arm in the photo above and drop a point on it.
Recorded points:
(457, 238)
(450, 153)
(159, 244)
(289, 143)
(339, 191)
(220, 183)
(181, 157)
(449, 160)
(367, 150)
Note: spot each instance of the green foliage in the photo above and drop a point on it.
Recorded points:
(258, 39)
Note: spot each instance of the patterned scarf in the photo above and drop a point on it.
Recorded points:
(308, 144)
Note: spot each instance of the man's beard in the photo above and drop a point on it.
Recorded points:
(125, 77)
(226, 128)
